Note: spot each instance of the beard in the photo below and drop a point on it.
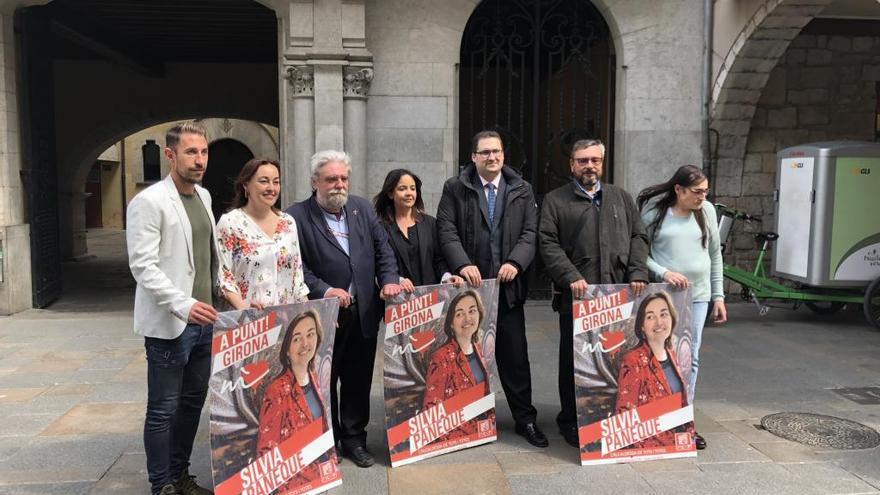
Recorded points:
(589, 181)
(335, 200)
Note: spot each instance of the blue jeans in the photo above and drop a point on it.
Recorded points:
(177, 384)
(700, 311)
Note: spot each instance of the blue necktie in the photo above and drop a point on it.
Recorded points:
(491, 200)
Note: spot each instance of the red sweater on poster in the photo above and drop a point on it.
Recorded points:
(284, 412)
(448, 374)
(640, 380)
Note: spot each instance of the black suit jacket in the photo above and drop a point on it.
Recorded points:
(325, 264)
(431, 261)
(463, 227)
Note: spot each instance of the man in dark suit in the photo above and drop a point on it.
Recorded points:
(345, 252)
(486, 225)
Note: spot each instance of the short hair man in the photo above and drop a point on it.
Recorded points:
(172, 255)
(486, 227)
(597, 226)
(345, 252)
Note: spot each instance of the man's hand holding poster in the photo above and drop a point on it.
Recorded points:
(270, 400)
(632, 363)
(439, 364)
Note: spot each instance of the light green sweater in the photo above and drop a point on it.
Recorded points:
(678, 248)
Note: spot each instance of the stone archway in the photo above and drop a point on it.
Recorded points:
(743, 75)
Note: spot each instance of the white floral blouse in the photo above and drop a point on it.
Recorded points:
(260, 269)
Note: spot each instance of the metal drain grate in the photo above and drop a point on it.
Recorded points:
(819, 430)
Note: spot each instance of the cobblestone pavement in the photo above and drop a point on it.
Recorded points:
(72, 392)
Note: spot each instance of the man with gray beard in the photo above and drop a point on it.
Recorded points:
(346, 254)
(590, 232)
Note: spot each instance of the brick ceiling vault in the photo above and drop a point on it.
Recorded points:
(745, 71)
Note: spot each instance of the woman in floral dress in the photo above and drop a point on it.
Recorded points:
(260, 262)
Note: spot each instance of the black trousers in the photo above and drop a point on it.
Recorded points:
(352, 371)
(567, 417)
(512, 356)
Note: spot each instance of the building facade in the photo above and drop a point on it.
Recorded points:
(396, 83)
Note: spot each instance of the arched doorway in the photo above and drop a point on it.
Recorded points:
(541, 72)
(225, 159)
(91, 69)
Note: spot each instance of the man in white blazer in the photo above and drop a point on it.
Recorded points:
(172, 255)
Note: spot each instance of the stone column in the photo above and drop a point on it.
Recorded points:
(328, 106)
(299, 132)
(355, 86)
(15, 247)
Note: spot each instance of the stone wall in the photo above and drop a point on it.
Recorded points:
(412, 108)
(824, 88)
(412, 118)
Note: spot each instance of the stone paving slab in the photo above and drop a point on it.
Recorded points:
(442, 479)
(99, 419)
(526, 463)
(667, 466)
(75, 488)
(11, 395)
(727, 448)
(766, 478)
(682, 482)
(25, 425)
(748, 431)
(785, 452)
(611, 478)
(830, 479)
(705, 424)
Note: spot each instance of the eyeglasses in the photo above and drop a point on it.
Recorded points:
(488, 153)
(699, 192)
(595, 160)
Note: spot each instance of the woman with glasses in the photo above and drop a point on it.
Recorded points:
(686, 250)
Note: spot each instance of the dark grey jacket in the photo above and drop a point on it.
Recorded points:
(623, 243)
(461, 222)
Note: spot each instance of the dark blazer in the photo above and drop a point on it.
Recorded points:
(463, 222)
(325, 264)
(431, 261)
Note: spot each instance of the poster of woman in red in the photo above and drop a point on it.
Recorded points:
(439, 364)
(269, 421)
(458, 364)
(629, 384)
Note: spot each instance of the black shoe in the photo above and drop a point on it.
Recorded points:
(360, 456)
(338, 454)
(570, 435)
(532, 434)
(700, 441)
(169, 489)
(186, 485)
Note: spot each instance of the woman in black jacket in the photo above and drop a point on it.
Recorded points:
(412, 232)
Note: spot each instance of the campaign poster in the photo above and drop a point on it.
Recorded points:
(632, 362)
(270, 400)
(439, 370)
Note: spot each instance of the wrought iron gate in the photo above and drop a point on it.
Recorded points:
(541, 72)
(38, 153)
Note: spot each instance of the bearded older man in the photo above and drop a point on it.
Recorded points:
(345, 251)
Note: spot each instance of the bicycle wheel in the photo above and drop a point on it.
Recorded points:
(872, 304)
(824, 307)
